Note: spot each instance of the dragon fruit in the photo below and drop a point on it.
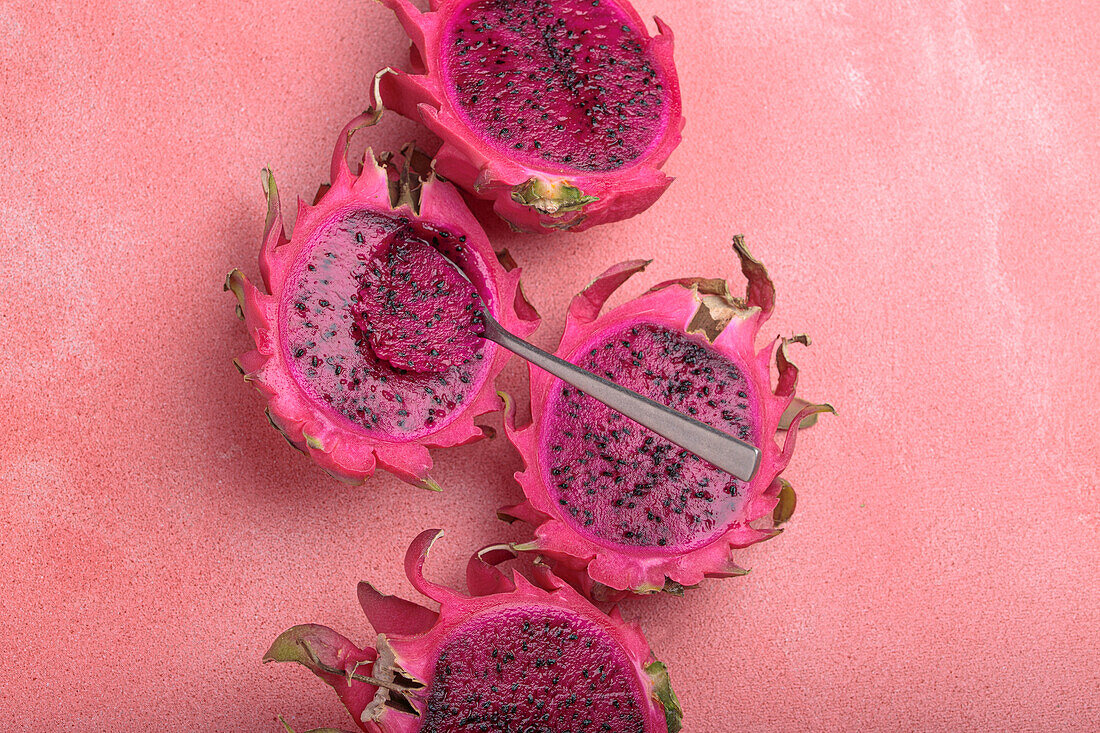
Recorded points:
(515, 655)
(561, 113)
(619, 509)
(366, 334)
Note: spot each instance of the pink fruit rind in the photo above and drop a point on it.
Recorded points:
(730, 325)
(333, 658)
(340, 447)
(530, 197)
(386, 690)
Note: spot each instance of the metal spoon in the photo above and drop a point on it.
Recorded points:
(709, 443)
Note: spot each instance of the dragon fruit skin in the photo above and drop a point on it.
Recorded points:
(399, 685)
(706, 314)
(531, 193)
(381, 192)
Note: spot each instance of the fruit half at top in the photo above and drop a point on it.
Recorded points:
(560, 113)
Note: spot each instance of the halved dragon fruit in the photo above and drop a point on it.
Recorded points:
(366, 334)
(619, 508)
(515, 655)
(561, 113)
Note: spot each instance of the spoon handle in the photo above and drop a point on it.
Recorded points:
(720, 449)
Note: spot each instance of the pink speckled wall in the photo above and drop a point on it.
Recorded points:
(922, 180)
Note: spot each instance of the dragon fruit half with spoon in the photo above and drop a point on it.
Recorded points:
(365, 334)
(620, 509)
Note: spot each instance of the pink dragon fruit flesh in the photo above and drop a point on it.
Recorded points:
(365, 333)
(621, 509)
(516, 655)
(561, 113)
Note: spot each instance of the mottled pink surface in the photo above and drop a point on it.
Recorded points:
(923, 181)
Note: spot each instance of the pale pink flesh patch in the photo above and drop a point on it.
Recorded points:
(567, 84)
(330, 356)
(622, 484)
(533, 668)
(417, 311)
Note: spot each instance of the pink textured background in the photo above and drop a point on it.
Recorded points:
(922, 180)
